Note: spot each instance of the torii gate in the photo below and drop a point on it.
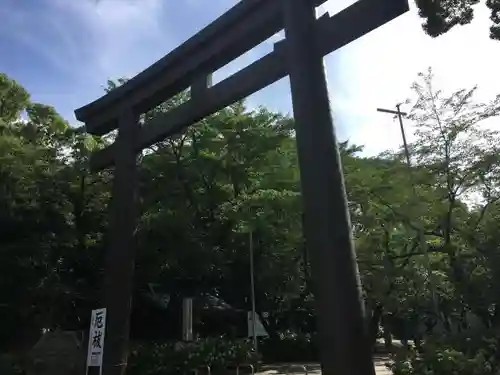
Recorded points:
(327, 228)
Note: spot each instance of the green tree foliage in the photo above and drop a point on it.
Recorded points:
(436, 208)
(41, 210)
(426, 237)
(13, 100)
(462, 157)
(458, 151)
(442, 15)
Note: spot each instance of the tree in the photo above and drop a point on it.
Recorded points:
(442, 15)
(47, 270)
(463, 158)
(459, 155)
(13, 101)
(423, 234)
(399, 215)
(386, 220)
(232, 171)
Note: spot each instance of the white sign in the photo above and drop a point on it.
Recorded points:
(96, 339)
(259, 327)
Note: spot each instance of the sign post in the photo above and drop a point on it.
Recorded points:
(96, 340)
(255, 326)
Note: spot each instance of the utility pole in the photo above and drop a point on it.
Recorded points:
(400, 115)
(423, 243)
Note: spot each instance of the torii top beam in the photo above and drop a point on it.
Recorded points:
(247, 24)
(244, 26)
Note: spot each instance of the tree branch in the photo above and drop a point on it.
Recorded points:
(404, 218)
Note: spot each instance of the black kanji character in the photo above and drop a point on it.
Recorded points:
(98, 320)
(96, 340)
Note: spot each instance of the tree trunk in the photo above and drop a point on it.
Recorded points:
(387, 337)
(374, 324)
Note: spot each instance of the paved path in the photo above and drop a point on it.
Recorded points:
(380, 366)
(314, 368)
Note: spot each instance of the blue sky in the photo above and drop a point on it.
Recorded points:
(63, 52)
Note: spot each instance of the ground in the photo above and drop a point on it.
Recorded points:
(314, 368)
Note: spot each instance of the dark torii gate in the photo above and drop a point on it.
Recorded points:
(327, 228)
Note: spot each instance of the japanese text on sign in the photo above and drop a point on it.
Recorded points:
(96, 338)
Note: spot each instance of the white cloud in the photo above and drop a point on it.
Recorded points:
(89, 37)
(114, 29)
(32, 28)
(378, 69)
(92, 41)
(88, 41)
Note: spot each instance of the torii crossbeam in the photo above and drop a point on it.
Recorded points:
(341, 322)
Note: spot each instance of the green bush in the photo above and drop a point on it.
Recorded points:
(450, 357)
(183, 358)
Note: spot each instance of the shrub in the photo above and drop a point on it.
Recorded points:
(183, 358)
(450, 357)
